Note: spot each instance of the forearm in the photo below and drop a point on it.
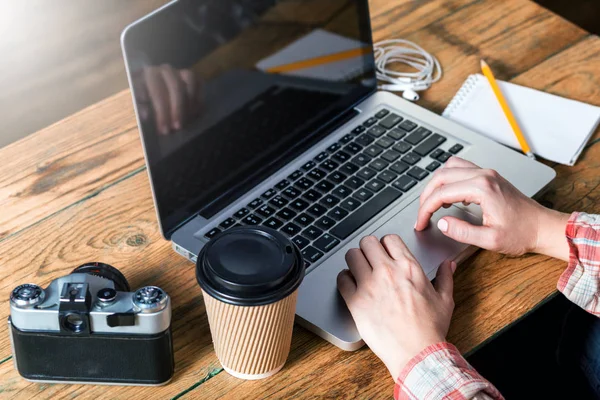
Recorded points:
(439, 371)
(551, 240)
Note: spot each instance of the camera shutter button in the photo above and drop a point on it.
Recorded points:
(106, 295)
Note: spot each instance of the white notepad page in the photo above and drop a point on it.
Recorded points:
(555, 128)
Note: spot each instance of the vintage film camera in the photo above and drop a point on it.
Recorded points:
(87, 327)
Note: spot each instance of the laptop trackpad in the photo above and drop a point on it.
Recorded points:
(430, 246)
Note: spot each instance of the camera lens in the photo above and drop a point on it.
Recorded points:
(74, 322)
(104, 271)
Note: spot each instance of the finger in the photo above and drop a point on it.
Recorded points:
(346, 285)
(191, 89)
(374, 252)
(464, 232)
(396, 248)
(157, 90)
(457, 162)
(444, 283)
(446, 176)
(449, 194)
(358, 265)
(177, 95)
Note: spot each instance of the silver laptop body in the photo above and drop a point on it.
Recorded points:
(320, 307)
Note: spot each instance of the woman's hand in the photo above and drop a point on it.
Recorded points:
(512, 223)
(397, 311)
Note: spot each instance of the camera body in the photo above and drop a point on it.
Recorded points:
(87, 327)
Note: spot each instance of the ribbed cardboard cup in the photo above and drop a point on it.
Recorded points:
(249, 278)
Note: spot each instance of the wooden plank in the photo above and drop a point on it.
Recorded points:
(67, 162)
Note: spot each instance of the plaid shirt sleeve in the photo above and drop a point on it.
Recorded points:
(580, 282)
(440, 372)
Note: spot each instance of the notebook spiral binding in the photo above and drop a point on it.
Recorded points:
(461, 95)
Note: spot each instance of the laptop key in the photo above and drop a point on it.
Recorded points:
(359, 129)
(291, 229)
(291, 193)
(304, 219)
(269, 193)
(373, 151)
(329, 201)
(251, 220)
(384, 142)
(404, 183)
(330, 165)
(346, 138)
(387, 176)
(325, 186)
(333, 148)
(370, 122)
(265, 211)
(317, 210)
(366, 173)
(402, 147)
(326, 242)
(390, 155)
(273, 223)
(456, 148)
(337, 177)
(365, 212)
(376, 131)
(255, 203)
(300, 241)
(396, 134)
(283, 184)
(311, 254)
(444, 157)
(411, 158)
(304, 183)
(350, 204)
(322, 156)
(382, 113)
(417, 136)
(429, 144)
(312, 232)
(278, 202)
(354, 182)
(228, 223)
(364, 140)
(316, 174)
(353, 148)
(433, 166)
(436, 153)
(337, 213)
(286, 214)
(390, 121)
(298, 204)
(407, 125)
(325, 223)
(361, 160)
(341, 156)
(295, 175)
(308, 166)
(375, 185)
(399, 167)
(362, 194)
(212, 233)
(379, 165)
(312, 195)
(341, 191)
(349, 168)
(241, 213)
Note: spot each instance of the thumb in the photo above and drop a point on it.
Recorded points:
(465, 232)
(444, 283)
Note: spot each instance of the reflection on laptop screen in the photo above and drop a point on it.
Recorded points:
(227, 90)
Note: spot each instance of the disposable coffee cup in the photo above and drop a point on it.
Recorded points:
(249, 278)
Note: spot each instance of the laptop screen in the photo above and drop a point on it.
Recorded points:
(228, 91)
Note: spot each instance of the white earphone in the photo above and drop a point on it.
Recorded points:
(428, 69)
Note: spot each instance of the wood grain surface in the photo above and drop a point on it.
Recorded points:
(78, 191)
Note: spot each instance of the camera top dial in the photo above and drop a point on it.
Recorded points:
(27, 295)
(150, 299)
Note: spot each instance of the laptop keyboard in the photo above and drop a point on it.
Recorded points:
(345, 186)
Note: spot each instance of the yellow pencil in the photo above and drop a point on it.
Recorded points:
(509, 115)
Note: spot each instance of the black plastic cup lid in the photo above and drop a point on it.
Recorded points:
(250, 266)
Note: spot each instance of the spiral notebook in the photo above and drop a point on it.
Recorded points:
(556, 128)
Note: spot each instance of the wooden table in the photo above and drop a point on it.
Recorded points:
(78, 192)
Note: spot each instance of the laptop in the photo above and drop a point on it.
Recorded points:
(267, 112)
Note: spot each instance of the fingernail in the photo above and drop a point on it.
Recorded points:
(442, 225)
(453, 266)
(415, 227)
